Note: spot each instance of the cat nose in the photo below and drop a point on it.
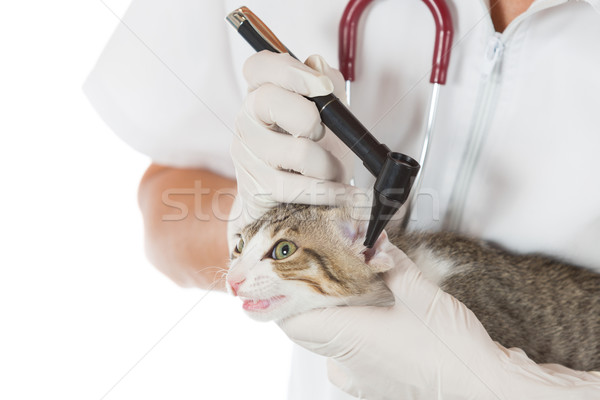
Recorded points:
(235, 285)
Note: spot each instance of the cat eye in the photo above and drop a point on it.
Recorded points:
(283, 249)
(239, 246)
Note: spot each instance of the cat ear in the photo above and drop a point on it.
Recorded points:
(379, 257)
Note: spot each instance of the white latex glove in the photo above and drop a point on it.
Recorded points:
(427, 346)
(275, 151)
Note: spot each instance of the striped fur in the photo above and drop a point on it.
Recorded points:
(546, 307)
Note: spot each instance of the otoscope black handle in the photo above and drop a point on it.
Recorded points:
(334, 114)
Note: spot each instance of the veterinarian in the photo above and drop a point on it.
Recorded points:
(514, 160)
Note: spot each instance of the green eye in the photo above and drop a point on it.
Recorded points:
(239, 246)
(283, 250)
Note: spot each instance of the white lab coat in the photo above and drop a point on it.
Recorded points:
(514, 157)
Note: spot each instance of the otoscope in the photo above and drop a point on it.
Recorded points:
(395, 172)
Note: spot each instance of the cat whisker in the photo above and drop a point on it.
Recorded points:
(220, 274)
(218, 269)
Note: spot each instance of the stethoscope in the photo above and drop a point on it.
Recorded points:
(395, 172)
(444, 30)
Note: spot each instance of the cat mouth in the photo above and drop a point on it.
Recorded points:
(260, 304)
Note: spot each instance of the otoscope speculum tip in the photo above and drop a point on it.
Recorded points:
(390, 191)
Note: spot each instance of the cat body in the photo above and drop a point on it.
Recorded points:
(297, 258)
(547, 308)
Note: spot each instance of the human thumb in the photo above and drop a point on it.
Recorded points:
(319, 64)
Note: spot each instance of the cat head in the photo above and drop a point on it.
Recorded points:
(299, 257)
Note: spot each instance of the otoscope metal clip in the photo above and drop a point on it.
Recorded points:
(395, 172)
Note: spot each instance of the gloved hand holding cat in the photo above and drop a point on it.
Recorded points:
(420, 342)
(428, 345)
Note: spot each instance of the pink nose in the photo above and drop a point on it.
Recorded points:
(235, 285)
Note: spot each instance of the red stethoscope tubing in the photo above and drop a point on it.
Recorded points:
(443, 38)
(444, 30)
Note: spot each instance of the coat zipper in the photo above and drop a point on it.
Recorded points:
(483, 114)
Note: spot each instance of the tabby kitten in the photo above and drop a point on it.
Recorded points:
(298, 257)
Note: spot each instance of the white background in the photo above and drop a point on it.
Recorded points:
(82, 313)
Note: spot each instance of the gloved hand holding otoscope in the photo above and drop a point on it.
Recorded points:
(395, 172)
